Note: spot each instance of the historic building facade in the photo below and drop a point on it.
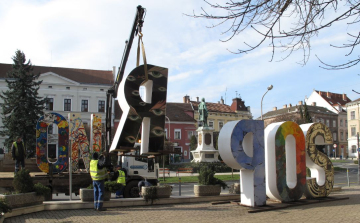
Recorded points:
(353, 117)
(68, 90)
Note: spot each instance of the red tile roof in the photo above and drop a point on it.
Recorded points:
(79, 75)
(334, 98)
(177, 112)
(214, 107)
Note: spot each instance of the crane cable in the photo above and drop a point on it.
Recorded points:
(144, 55)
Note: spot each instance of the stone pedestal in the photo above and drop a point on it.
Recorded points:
(205, 151)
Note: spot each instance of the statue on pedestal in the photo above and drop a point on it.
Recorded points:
(203, 112)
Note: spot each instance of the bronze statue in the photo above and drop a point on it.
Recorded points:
(203, 112)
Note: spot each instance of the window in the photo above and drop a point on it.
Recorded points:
(49, 86)
(327, 122)
(49, 104)
(341, 136)
(334, 123)
(221, 124)
(353, 131)
(341, 122)
(67, 88)
(177, 134)
(101, 107)
(346, 135)
(190, 133)
(353, 149)
(211, 124)
(84, 105)
(101, 89)
(67, 104)
(334, 136)
(352, 115)
(345, 123)
(84, 89)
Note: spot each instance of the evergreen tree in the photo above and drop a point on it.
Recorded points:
(307, 117)
(301, 113)
(22, 106)
(193, 143)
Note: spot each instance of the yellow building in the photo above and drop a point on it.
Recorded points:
(219, 113)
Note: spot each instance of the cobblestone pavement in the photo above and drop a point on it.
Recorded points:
(336, 211)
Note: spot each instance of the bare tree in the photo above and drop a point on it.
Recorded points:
(267, 18)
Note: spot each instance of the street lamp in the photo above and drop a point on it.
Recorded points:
(169, 153)
(268, 89)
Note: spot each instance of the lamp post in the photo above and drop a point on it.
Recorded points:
(268, 89)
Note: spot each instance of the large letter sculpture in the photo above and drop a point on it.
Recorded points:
(42, 145)
(150, 113)
(322, 170)
(285, 161)
(241, 146)
(78, 142)
(95, 132)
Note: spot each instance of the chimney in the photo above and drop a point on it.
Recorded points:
(344, 97)
(186, 99)
(290, 105)
(328, 94)
(285, 106)
(275, 108)
(238, 105)
(313, 104)
(218, 102)
(300, 103)
(197, 99)
(222, 100)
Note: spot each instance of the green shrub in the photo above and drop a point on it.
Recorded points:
(4, 207)
(151, 194)
(206, 177)
(356, 162)
(218, 167)
(113, 186)
(91, 186)
(23, 182)
(41, 190)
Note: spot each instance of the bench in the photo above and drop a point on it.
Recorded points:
(184, 170)
(164, 170)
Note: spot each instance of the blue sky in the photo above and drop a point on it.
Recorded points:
(90, 34)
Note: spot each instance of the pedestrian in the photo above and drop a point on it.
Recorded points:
(143, 183)
(98, 174)
(18, 153)
(120, 177)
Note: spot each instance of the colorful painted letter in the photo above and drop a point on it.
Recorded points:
(150, 113)
(79, 142)
(95, 133)
(42, 142)
(285, 161)
(322, 170)
(241, 146)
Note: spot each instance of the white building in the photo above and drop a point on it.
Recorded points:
(69, 90)
(353, 112)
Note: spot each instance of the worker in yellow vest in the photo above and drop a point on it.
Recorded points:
(98, 174)
(120, 176)
(18, 153)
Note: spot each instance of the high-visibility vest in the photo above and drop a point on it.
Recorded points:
(121, 179)
(95, 173)
(16, 148)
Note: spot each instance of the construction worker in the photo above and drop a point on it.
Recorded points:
(98, 174)
(18, 153)
(120, 177)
